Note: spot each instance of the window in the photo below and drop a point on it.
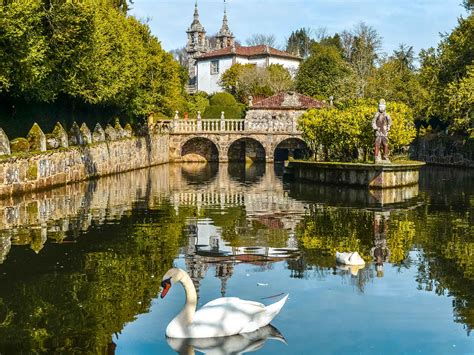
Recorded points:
(215, 67)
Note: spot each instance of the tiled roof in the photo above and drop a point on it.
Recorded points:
(252, 51)
(285, 100)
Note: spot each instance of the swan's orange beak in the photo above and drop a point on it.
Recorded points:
(166, 285)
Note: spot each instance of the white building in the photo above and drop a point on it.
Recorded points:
(211, 66)
(207, 63)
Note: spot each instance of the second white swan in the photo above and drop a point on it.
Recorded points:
(218, 318)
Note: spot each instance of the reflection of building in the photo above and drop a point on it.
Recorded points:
(206, 247)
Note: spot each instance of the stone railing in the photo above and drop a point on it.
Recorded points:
(223, 125)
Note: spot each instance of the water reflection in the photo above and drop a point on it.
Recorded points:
(380, 252)
(236, 344)
(79, 262)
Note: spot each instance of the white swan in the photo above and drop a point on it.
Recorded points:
(218, 318)
(349, 258)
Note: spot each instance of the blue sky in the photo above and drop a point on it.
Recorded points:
(413, 22)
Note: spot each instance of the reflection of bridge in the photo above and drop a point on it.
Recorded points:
(53, 215)
(257, 189)
(234, 140)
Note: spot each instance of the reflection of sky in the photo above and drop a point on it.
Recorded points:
(327, 315)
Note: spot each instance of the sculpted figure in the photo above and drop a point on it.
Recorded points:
(381, 124)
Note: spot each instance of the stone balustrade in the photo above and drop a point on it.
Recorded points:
(223, 125)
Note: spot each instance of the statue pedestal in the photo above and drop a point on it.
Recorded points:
(372, 176)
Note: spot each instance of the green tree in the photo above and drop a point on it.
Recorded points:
(89, 52)
(361, 48)
(396, 80)
(346, 132)
(300, 42)
(247, 80)
(446, 72)
(322, 74)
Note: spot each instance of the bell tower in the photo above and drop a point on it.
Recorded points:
(225, 38)
(197, 44)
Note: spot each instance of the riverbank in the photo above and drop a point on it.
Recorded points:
(34, 171)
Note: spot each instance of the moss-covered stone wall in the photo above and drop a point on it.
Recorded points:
(24, 171)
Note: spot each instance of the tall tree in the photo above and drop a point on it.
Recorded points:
(322, 74)
(300, 42)
(361, 48)
(259, 39)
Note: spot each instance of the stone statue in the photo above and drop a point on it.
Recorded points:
(381, 124)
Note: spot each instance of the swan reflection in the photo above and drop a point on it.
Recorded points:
(235, 344)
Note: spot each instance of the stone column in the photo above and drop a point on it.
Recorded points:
(199, 121)
(222, 121)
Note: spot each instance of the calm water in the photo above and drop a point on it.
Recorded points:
(80, 266)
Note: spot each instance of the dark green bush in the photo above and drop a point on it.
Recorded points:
(223, 99)
(230, 111)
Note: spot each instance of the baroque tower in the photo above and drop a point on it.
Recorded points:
(225, 38)
(197, 44)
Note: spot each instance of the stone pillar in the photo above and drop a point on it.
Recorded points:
(75, 135)
(199, 121)
(110, 133)
(4, 143)
(86, 134)
(175, 120)
(61, 135)
(36, 138)
(222, 121)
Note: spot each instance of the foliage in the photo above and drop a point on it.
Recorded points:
(396, 80)
(234, 112)
(460, 102)
(300, 42)
(343, 132)
(198, 102)
(224, 102)
(247, 80)
(446, 73)
(322, 73)
(361, 48)
(90, 51)
(223, 99)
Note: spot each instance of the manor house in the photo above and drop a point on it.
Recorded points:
(209, 58)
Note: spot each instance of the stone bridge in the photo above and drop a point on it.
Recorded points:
(223, 140)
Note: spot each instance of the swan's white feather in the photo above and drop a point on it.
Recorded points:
(218, 318)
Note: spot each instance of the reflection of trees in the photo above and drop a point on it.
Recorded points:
(447, 263)
(326, 230)
(73, 298)
(442, 231)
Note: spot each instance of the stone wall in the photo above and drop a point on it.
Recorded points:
(77, 156)
(373, 176)
(440, 149)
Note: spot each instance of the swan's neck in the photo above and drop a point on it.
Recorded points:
(187, 314)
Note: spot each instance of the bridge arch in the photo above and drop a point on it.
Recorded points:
(246, 149)
(291, 147)
(199, 149)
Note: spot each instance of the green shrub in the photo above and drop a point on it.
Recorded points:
(230, 111)
(223, 99)
(343, 131)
